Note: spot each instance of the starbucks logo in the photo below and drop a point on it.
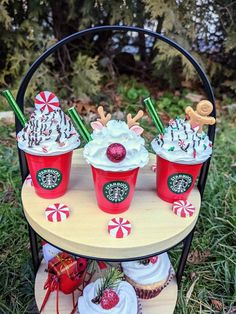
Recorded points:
(49, 178)
(180, 182)
(116, 191)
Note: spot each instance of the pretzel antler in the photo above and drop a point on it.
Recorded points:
(104, 118)
(132, 121)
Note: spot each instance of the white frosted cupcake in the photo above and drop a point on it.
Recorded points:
(109, 295)
(150, 276)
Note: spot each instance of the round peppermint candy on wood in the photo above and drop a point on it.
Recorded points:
(183, 208)
(57, 212)
(28, 180)
(119, 227)
(154, 167)
(46, 102)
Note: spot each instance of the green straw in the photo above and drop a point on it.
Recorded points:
(156, 119)
(11, 100)
(79, 124)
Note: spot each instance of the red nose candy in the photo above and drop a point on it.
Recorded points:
(116, 152)
(154, 259)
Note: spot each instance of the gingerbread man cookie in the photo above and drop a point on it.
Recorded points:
(200, 116)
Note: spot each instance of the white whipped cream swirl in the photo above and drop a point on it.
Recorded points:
(182, 144)
(128, 303)
(148, 274)
(116, 132)
(48, 134)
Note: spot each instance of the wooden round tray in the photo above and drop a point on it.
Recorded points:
(154, 226)
(164, 303)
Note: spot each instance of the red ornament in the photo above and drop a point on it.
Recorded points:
(82, 264)
(116, 152)
(109, 299)
(154, 259)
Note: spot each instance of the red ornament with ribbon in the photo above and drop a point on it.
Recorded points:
(65, 274)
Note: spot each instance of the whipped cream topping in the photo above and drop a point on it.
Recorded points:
(128, 303)
(148, 274)
(48, 134)
(116, 132)
(182, 144)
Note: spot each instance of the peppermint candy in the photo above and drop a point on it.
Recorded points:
(28, 180)
(181, 143)
(183, 208)
(154, 167)
(172, 122)
(119, 227)
(46, 102)
(57, 212)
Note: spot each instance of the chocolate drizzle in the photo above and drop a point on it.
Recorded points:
(177, 125)
(60, 114)
(172, 135)
(53, 115)
(194, 149)
(70, 126)
(199, 139)
(185, 132)
(38, 141)
(41, 130)
(59, 134)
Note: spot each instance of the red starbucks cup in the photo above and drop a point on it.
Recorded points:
(114, 190)
(50, 174)
(175, 181)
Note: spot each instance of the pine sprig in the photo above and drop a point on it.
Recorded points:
(110, 281)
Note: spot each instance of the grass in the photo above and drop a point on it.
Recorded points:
(209, 282)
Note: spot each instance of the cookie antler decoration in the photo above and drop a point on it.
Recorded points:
(200, 116)
(104, 118)
(133, 121)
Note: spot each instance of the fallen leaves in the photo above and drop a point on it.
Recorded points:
(232, 310)
(197, 257)
(190, 290)
(218, 305)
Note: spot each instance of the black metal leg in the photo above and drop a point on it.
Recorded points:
(184, 256)
(34, 249)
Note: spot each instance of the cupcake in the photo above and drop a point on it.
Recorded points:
(48, 140)
(181, 150)
(109, 295)
(149, 276)
(115, 153)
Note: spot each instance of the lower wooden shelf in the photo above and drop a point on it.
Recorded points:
(164, 303)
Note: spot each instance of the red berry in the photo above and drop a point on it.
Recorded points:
(154, 259)
(109, 299)
(116, 152)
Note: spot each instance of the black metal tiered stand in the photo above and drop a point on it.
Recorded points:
(211, 131)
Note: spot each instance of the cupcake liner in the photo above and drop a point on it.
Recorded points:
(140, 308)
(146, 293)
